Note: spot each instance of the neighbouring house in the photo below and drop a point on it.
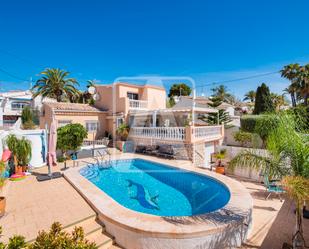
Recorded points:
(143, 107)
(12, 104)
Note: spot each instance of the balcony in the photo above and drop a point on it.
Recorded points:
(190, 134)
(138, 104)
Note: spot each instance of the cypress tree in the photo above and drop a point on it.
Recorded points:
(263, 101)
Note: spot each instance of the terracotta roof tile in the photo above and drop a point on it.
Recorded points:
(63, 106)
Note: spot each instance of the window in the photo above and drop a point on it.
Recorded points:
(119, 121)
(91, 126)
(19, 105)
(64, 122)
(133, 96)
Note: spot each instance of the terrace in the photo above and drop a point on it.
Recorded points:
(189, 134)
(42, 204)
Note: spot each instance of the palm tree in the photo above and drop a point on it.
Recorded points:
(286, 158)
(291, 72)
(221, 93)
(250, 96)
(55, 83)
(90, 83)
(304, 83)
(278, 100)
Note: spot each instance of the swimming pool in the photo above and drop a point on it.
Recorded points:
(158, 189)
(151, 203)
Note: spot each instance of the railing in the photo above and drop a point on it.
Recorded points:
(187, 134)
(207, 131)
(138, 104)
(168, 133)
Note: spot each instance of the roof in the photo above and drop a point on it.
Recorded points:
(202, 102)
(64, 106)
(131, 85)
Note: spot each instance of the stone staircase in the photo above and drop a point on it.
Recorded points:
(94, 232)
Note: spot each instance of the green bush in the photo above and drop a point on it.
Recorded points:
(265, 125)
(243, 137)
(300, 115)
(70, 137)
(54, 238)
(26, 114)
(28, 125)
(248, 122)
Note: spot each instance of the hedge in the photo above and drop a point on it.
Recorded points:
(248, 122)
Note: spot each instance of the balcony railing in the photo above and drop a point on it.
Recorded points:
(165, 133)
(207, 131)
(138, 104)
(187, 134)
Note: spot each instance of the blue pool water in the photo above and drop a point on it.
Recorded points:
(158, 189)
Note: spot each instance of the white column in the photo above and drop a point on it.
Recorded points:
(154, 119)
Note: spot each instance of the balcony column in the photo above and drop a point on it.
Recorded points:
(154, 119)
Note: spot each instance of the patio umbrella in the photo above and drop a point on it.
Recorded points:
(52, 142)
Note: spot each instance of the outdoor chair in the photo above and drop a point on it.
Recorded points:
(272, 187)
(166, 151)
(140, 149)
(151, 149)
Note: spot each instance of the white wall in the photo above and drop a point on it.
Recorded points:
(38, 144)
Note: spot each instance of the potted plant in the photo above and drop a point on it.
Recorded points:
(220, 166)
(2, 181)
(122, 133)
(23, 153)
(12, 143)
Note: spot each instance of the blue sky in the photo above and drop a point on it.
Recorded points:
(210, 41)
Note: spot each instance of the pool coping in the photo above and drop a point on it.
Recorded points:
(237, 211)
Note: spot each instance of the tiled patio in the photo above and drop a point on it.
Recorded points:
(33, 206)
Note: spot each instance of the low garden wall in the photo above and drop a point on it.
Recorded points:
(252, 174)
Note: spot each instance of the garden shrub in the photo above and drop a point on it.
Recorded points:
(243, 137)
(248, 122)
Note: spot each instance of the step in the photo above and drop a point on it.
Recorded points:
(89, 225)
(115, 247)
(102, 240)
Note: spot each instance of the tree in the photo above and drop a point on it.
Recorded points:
(278, 100)
(55, 83)
(250, 96)
(71, 136)
(180, 89)
(27, 118)
(291, 72)
(263, 101)
(286, 158)
(221, 93)
(177, 90)
(299, 77)
(221, 117)
(91, 83)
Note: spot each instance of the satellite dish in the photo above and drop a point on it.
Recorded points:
(96, 96)
(91, 90)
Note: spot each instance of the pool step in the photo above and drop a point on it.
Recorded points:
(94, 232)
(101, 239)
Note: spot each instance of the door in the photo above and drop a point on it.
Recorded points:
(209, 149)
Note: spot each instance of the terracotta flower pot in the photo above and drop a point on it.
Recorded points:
(18, 170)
(220, 170)
(2, 205)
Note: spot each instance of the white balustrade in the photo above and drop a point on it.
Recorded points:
(168, 133)
(138, 104)
(207, 131)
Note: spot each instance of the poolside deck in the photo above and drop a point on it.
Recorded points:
(33, 206)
